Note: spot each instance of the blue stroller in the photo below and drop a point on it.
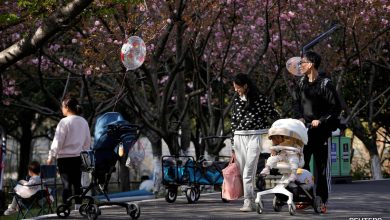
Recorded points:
(190, 174)
(114, 136)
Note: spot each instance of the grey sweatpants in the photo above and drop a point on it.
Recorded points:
(247, 149)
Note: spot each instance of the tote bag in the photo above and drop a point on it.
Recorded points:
(232, 181)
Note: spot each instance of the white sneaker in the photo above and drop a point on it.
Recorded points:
(248, 206)
(10, 211)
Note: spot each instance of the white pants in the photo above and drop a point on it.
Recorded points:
(247, 150)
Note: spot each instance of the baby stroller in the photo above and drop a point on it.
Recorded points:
(299, 191)
(114, 137)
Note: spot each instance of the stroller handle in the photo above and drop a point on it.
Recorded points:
(285, 148)
(113, 128)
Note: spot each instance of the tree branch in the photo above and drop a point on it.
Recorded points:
(53, 24)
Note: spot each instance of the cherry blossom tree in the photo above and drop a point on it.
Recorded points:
(183, 90)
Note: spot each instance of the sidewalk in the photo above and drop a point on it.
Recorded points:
(359, 200)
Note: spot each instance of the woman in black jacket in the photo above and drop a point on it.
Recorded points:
(250, 114)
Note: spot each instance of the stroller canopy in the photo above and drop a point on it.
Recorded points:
(110, 129)
(289, 127)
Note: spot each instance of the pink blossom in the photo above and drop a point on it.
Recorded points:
(142, 7)
(203, 99)
(260, 22)
(291, 14)
(163, 79)
(88, 71)
(97, 23)
(284, 17)
(74, 41)
(219, 45)
(92, 30)
(6, 102)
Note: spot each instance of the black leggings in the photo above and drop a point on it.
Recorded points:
(70, 172)
(318, 147)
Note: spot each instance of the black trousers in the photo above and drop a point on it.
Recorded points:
(318, 147)
(70, 173)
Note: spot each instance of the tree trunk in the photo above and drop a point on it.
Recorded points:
(157, 169)
(376, 171)
(25, 143)
(375, 165)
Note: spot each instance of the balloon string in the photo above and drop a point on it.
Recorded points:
(120, 91)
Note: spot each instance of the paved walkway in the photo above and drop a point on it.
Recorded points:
(360, 200)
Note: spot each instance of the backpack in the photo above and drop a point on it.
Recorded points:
(333, 122)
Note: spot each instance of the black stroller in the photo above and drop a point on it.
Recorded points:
(114, 137)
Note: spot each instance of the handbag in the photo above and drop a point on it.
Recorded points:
(232, 188)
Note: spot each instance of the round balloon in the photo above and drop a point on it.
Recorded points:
(292, 66)
(133, 53)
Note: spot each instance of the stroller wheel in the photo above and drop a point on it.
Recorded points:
(134, 211)
(191, 196)
(171, 195)
(63, 211)
(317, 203)
(93, 212)
(197, 193)
(83, 210)
(292, 209)
(276, 204)
(259, 207)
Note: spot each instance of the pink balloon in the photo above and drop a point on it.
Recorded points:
(133, 53)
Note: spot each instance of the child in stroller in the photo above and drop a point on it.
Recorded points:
(288, 146)
(296, 185)
(114, 137)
